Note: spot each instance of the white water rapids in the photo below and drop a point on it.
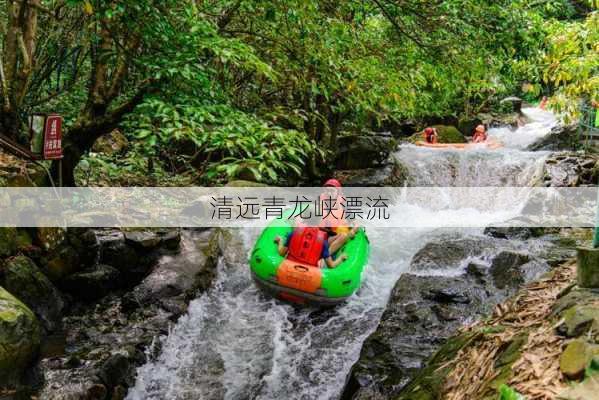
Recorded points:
(237, 343)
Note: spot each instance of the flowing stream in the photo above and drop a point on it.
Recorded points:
(237, 343)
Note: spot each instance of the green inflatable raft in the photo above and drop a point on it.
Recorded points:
(298, 283)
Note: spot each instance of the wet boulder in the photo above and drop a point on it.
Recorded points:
(367, 150)
(113, 249)
(61, 264)
(448, 252)
(86, 244)
(422, 312)
(19, 338)
(134, 253)
(560, 138)
(176, 278)
(392, 174)
(514, 232)
(94, 283)
(571, 169)
(424, 309)
(507, 269)
(22, 278)
(117, 371)
(449, 134)
(142, 240)
(77, 251)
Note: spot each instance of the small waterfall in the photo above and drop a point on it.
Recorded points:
(507, 166)
(238, 343)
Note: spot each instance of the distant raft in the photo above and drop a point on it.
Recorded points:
(305, 284)
(489, 144)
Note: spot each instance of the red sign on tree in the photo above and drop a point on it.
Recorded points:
(53, 138)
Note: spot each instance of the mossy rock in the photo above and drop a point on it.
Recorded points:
(449, 134)
(580, 318)
(19, 338)
(503, 364)
(8, 241)
(446, 134)
(23, 279)
(113, 143)
(574, 359)
(429, 382)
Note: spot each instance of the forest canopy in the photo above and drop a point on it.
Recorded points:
(205, 91)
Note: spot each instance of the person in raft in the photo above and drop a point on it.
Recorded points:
(323, 241)
(333, 223)
(480, 134)
(309, 245)
(430, 135)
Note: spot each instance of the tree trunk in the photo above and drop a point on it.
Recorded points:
(95, 122)
(10, 125)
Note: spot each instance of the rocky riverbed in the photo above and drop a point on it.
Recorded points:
(79, 328)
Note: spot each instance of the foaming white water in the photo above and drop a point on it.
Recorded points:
(238, 343)
(539, 125)
(506, 166)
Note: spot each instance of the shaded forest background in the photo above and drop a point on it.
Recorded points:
(205, 91)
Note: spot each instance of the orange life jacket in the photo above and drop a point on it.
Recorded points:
(306, 245)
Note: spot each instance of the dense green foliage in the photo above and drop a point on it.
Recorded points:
(211, 90)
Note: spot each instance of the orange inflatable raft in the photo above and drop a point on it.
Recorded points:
(489, 144)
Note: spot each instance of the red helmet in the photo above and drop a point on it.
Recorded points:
(333, 183)
(428, 131)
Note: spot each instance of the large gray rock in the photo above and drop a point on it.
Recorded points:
(366, 150)
(448, 252)
(177, 278)
(514, 232)
(423, 311)
(134, 253)
(392, 174)
(571, 169)
(142, 240)
(510, 269)
(561, 137)
(23, 279)
(19, 338)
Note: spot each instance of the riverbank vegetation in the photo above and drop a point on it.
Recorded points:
(207, 91)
